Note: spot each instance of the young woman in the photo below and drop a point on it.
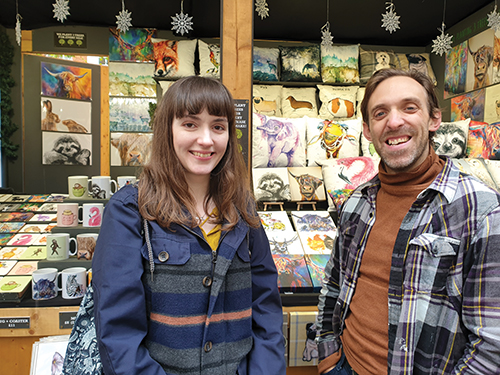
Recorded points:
(183, 276)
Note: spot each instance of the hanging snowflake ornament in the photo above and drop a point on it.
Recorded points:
(123, 19)
(494, 20)
(390, 20)
(326, 35)
(61, 10)
(182, 23)
(261, 8)
(442, 43)
(18, 29)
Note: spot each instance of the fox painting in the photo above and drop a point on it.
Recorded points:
(166, 58)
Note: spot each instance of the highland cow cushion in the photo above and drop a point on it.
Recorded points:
(209, 56)
(265, 64)
(173, 58)
(339, 64)
(301, 63)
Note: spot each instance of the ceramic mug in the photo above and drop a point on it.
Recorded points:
(73, 282)
(86, 245)
(67, 214)
(58, 246)
(44, 283)
(125, 180)
(78, 187)
(102, 187)
(92, 214)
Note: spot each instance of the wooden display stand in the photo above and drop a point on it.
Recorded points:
(273, 204)
(300, 204)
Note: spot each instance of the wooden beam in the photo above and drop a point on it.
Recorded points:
(104, 126)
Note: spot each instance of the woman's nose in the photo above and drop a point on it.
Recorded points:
(205, 137)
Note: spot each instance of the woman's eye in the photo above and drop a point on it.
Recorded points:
(220, 127)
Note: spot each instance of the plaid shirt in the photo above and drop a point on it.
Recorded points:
(444, 288)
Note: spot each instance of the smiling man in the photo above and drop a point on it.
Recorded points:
(411, 286)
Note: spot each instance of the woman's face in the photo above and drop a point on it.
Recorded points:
(200, 142)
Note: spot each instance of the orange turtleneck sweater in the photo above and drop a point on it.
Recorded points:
(365, 337)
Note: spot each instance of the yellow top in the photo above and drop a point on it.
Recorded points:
(213, 236)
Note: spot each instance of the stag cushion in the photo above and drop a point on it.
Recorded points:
(337, 101)
(451, 139)
(416, 61)
(278, 142)
(371, 61)
(267, 99)
(328, 139)
(173, 58)
(301, 63)
(265, 64)
(342, 176)
(339, 64)
(209, 57)
(299, 102)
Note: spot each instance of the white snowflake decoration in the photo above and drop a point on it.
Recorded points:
(326, 35)
(61, 10)
(181, 23)
(390, 20)
(18, 29)
(261, 8)
(443, 43)
(123, 19)
(494, 20)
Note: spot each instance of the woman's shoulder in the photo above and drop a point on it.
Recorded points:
(126, 195)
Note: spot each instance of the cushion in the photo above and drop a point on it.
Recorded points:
(278, 142)
(267, 99)
(493, 167)
(476, 141)
(299, 102)
(300, 64)
(306, 184)
(337, 101)
(209, 55)
(451, 139)
(493, 140)
(339, 64)
(342, 176)
(271, 184)
(342, 139)
(416, 61)
(173, 58)
(371, 61)
(265, 64)
(359, 98)
(126, 79)
(477, 168)
(165, 85)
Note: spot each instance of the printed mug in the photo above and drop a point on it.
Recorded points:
(125, 180)
(86, 245)
(102, 187)
(92, 214)
(78, 187)
(73, 282)
(58, 246)
(67, 214)
(44, 283)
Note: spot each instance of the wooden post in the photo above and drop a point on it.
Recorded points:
(105, 145)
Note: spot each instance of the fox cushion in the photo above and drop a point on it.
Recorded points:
(173, 58)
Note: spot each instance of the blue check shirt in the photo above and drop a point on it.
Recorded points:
(444, 288)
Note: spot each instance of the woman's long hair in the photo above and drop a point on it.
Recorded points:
(164, 193)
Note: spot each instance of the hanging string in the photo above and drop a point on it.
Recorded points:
(444, 14)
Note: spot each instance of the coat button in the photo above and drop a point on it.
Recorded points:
(207, 281)
(163, 256)
(208, 346)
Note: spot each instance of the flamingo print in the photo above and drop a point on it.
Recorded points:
(94, 217)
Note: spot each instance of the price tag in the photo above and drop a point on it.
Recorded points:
(67, 319)
(15, 323)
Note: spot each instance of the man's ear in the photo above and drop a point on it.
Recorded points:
(435, 121)
(366, 131)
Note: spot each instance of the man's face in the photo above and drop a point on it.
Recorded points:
(400, 123)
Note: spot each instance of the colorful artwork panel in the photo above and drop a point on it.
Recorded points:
(126, 79)
(130, 149)
(470, 105)
(480, 60)
(129, 114)
(65, 81)
(132, 45)
(66, 115)
(455, 71)
(306, 184)
(293, 275)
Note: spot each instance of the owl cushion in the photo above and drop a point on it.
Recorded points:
(299, 102)
(209, 57)
(328, 139)
(337, 101)
(371, 61)
(265, 64)
(173, 58)
(278, 142)
(267, 99)
(301, 64)
(342, 176)
(451, 139)
(339, 64)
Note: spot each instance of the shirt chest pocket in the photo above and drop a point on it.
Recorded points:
(165, 251)
(430, 262)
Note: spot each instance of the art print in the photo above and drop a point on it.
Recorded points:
(131, 45)
(66, 149)
(130, 149)
(130, 114)
(317, 242)
(9, 207)
(293, 275)
(455, 70)
(287, 243)
(470, 105)
(35, 252)
(275, 221)
(130, 79)
(306, 184)
(309, 221)
(43, 218)
(6, 266)
(23, 239)
(492, 104)
(24, 268)
(66, 115)
(271, 184)
(480, 60)
(65, 81)
(10, 252)
(16, 216)
(13, 227)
